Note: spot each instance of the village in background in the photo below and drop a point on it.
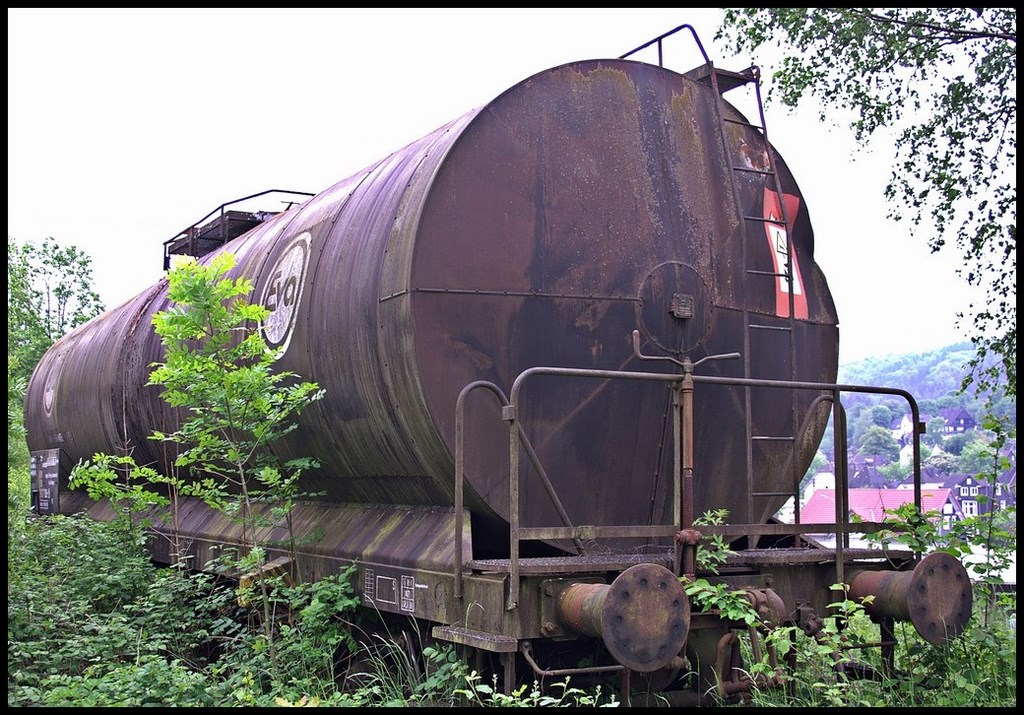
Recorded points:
(955, 449)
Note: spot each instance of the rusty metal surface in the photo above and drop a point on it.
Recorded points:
(587, 563)
(585, 202)
(936, 596)
(392, 535)
(643, 616)
(792, 557)
(477, 639)
(588, 223)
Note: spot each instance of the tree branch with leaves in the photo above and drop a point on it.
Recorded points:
(49, 292)
(233, 404)
(944, 81)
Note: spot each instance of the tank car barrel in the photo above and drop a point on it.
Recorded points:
(591, 210)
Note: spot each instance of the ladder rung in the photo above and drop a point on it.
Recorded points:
(769, 327)
(748, 170)
(772, 494)
(744, 123)
(773, 274)
(762, 219)
(767, 438)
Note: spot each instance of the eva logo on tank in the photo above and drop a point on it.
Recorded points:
(283, 292)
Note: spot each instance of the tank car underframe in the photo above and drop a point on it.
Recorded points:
(627, 605)
(563, 604)
(537, 639)
(934, 594)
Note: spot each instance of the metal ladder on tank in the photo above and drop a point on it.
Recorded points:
(722, 81)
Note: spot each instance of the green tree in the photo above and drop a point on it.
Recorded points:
(934, 432)
(881, 415)
(942, 462)
(976, 457)
(218, 370)
(944, 79)
(19, 489)
(955, 443)
(220, 375)
(879, 440)
(895, 472)
(17, 450)
(49, 292)
(861, 419)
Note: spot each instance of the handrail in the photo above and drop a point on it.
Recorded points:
(683, 424)
(231, 203)
(661, 37)
(509, 414)
(915, 411)
(460, 471)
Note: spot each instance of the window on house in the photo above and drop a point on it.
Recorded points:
(970, 507)
(974, 491)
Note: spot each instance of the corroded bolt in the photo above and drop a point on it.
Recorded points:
(688, 537)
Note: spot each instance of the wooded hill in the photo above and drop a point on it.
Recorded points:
(934, 378)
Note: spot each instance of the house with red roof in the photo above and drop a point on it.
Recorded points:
(873, 505)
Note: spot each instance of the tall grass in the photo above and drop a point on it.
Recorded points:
(91, 622)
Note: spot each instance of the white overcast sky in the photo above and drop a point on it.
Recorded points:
(125, 126)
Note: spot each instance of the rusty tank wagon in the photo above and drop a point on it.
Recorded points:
(551, 334)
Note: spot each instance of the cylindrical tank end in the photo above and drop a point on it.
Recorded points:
(936, 596)
(643, 617)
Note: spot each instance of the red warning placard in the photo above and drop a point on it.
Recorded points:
(781, 248)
